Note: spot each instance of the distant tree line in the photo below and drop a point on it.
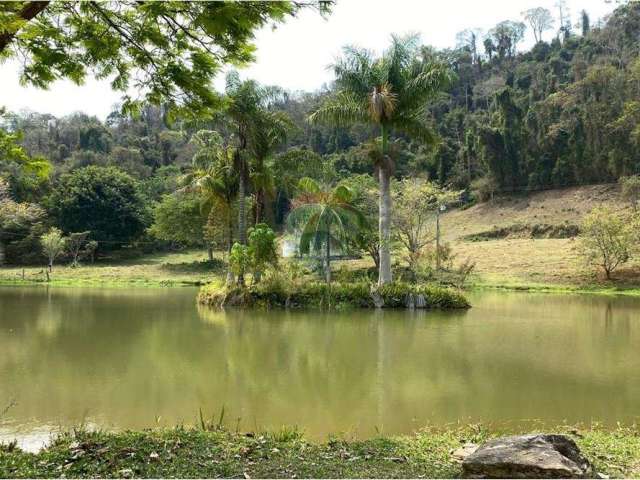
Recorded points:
(565, 112)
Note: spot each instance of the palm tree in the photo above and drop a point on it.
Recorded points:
(389, 93)
(271, 133)
(243, 102)
(212, 174)
(257, 131)
(325, 217)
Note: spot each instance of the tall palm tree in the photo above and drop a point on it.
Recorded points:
(243, 103)
(271, 133)
(257, 131)
(389, 93)
(325, 217)
(212, 174)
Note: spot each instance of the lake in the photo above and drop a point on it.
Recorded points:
(134, 358)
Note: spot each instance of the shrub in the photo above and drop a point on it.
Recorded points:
(262, 249)
(630, 189)
(239, 259)
(607, 239)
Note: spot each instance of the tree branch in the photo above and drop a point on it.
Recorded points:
(27, 13)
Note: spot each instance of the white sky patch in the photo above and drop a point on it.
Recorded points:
(296, 54)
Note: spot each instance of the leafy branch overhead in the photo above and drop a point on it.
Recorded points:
(169, 50)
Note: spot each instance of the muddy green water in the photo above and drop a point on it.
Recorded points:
(127, 358)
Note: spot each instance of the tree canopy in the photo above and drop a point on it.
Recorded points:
(169, 50)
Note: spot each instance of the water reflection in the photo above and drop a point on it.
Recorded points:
(121, 358)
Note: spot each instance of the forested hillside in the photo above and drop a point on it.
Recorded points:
(564, 113)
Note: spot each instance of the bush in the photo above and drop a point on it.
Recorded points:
(608, 239)
(239, 259)
(262, 249)
(630, 189)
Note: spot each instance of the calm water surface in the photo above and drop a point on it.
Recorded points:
(118, 358)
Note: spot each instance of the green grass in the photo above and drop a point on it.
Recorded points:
(195, 453)
(164, 269)
(480, 283)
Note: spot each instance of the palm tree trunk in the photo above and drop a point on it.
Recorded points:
(327, 271)
(259, 205)
(230, 276)
(210, 253)
(384, 225)
(242, 212)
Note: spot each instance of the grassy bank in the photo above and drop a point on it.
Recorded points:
(163, 269)
(517, 242)
(484, 283)
(313, 294)
(217, 453)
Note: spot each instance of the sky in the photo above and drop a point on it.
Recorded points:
(296, 55)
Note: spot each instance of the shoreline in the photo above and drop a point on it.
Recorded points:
(472, 287)
(213, 451)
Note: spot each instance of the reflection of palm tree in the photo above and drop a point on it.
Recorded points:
(389, 93)
(326, 217)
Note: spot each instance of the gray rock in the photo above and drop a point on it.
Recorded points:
(528, 456)
(459, 454)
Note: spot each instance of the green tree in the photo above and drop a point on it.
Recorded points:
(179, 218)
(213, 176)
(25, 174)
(365, 190)
(21, 225)
(417, 203)
(239, 259)
(389, 93)
(53, 244)
(324, 218)
(171, 50)
(270, 133)
(608, 239)
(262, 249)
(244, 104)
(505, 36)
(103, 200)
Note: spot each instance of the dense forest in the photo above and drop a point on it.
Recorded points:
(563, 113)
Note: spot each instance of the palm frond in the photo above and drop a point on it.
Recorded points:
(308, 185)
(342, 109)
(417, 128)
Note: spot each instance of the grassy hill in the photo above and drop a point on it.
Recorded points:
(530, 239)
